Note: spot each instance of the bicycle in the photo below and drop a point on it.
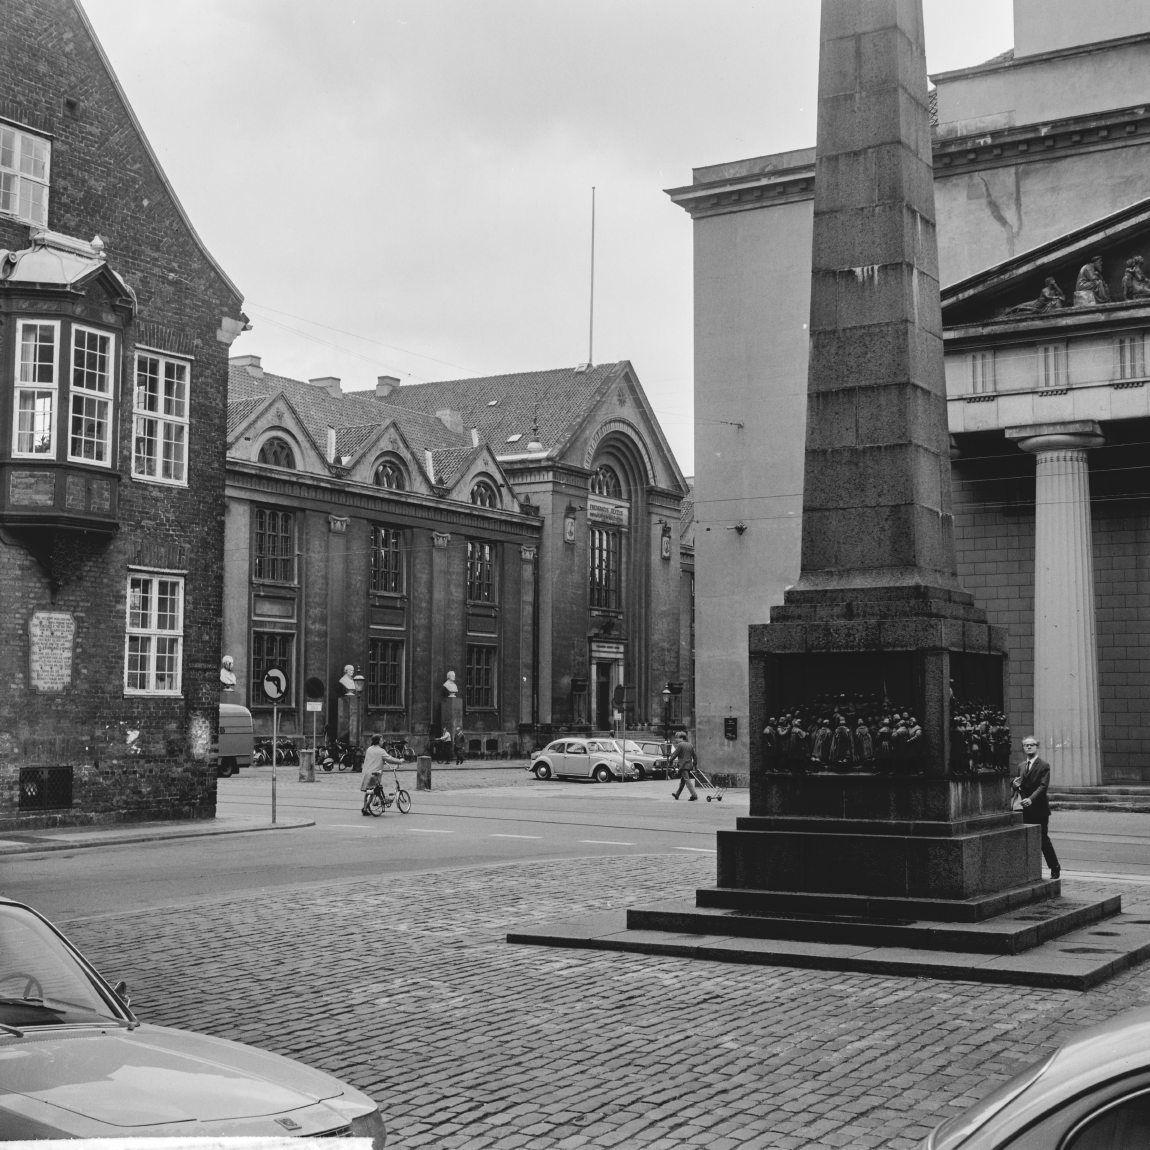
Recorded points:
(378, 800)
(345, 756)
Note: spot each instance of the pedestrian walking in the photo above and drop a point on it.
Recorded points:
(373, 759)
(1032, 785)
(684, 757)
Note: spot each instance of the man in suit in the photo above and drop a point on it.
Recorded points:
(1032, 785)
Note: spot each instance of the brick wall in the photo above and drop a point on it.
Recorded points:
(105, 182)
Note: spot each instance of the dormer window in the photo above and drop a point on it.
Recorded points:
(390, 476)
(277, 452)
(25, 162)
(483, 494)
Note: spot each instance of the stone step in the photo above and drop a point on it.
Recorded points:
(1018, 930)
(1077, 961)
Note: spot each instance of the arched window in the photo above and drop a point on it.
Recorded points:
(277, 452)
(390, 475)
(605, 481)
(483, 494)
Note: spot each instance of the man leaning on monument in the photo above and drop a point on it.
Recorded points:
(1031, 785)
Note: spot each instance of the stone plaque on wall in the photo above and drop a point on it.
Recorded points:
(50, 636)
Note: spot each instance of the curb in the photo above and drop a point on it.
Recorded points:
(66, 839)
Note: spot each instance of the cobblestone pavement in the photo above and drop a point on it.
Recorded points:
(405, 987)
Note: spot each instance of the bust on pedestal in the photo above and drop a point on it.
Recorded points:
(227, 674)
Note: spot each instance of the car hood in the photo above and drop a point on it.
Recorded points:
(154, 1076)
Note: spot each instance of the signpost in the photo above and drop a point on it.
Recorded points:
(275, 688)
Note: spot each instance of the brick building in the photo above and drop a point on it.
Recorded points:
(522, 531)
(115, 324)
(1040, 158)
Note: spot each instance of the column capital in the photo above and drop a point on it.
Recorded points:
(1035, 438)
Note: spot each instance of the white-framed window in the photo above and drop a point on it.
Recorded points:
(982, 379)
(37, 385)
(153, 645)
(25, 169)
(1051, 365)
(1130, 356)
(160, 419)
(91, 398)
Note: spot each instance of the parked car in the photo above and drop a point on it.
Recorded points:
(597, 759)
(79, 1064)
(1092, 1093)
(649, 758)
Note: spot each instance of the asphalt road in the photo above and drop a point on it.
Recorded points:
(471, 818)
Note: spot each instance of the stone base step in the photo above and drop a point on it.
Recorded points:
(1013, 932)
(1079, 960)
(1125, 798)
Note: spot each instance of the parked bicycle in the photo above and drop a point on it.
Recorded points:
(338, 755)
(286, 752)
(401, 749)
(378, 799)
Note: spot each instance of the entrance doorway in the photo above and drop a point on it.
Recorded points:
(606, 681)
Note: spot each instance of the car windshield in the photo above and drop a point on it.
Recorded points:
(42, 983)
(601, 745)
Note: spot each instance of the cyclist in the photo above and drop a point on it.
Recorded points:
(373, 760)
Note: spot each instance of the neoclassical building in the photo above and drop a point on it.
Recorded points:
(1040, 160)
(522, 532)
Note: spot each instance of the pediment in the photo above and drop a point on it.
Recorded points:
(483, 465)
(277, 418)
(379, 445)
(1040, 287)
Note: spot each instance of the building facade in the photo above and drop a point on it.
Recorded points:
(115, 324)
(518, 534)
(1039, 161)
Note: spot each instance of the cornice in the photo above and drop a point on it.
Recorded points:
(756, 184)
(1059, 323)
(990, 66)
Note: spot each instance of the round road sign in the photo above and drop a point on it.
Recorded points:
(275, 683)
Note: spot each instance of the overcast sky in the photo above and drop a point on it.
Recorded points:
(403, 187)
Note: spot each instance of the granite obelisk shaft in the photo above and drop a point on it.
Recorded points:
(876, 501)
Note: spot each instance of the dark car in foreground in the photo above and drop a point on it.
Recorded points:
(75, 1062)
(1092, 1093)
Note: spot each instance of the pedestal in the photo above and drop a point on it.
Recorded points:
(307, 765)
(423, 773)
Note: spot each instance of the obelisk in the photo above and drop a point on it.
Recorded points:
(877, 630)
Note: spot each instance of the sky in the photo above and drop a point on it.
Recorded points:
(404, 187)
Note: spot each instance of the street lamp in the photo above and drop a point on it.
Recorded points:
(667, 713)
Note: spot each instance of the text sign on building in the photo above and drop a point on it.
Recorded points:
(607, 511)
(50, 636)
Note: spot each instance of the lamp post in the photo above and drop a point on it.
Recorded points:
(360, 707)
(667, 713)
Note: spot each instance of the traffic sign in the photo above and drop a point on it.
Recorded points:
(275, 684)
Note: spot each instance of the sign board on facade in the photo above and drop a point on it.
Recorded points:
(315, 704)
(731, 728)
(610, 511)
(50, 636)
(600, 650)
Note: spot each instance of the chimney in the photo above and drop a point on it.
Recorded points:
(429, 461)
(251, 362)
(385, 385)
(452, 420)
(330, 384)
(331, 445)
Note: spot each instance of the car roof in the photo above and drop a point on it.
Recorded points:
(1086, 1059)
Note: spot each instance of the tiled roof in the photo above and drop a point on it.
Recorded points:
(355, 414)
(241, 410)
(499, 406)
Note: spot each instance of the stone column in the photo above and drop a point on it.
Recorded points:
(1066, 719)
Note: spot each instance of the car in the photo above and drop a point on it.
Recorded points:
(1092, 1093)
(582, 758)
(78, 1063)
(649, 757)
